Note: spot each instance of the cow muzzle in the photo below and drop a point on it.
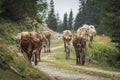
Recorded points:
(79, 45)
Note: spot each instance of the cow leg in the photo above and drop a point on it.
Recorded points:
(79, 61)
(29, 56)
(83, 60)
(49, 46)
(65, 46)
(76, 57)
(83, 57)
(36, 55)
(35, 60)
(67, 52)
(91, 39)
(39, 54)
(33, 57)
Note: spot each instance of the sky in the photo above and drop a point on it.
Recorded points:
(63, 6)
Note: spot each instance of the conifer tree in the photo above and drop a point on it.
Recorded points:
(65, 22)
(87, 14)
(110, 18)
(20, 9)
(59, 23)
(80, 18)
(70, 20)
(52, 21)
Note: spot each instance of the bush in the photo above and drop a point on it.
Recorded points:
(104, 52)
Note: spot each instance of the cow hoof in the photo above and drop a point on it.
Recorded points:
(83, 62)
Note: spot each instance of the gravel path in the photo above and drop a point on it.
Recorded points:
(54, 48)
(99, 70)
(62, 74)
(65, 74)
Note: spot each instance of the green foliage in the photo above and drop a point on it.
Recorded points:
(8, 75)
(52, 21)
(20, 9)
(79, 20)
(9, 29)
(65, 22)
(1, 2)
(70, 20)
(104, 52)
(87, 14)
(60, 26)
(110, 18)
(59, 23)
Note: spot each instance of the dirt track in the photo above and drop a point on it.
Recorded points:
(62, 74)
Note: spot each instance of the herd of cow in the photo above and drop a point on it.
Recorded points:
(33, 42)
(79, 39)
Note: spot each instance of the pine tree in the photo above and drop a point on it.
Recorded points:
(80, 18)
(70, 20)
(110, 18)
(52, 21)
(65, 22)
(87, 14)
(90, 11)
(59, 25)
(20, 9)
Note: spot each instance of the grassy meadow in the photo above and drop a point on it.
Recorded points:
(101, 54)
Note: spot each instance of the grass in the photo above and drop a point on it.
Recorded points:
(9, 75)
(61, 63)
(58, 43)
(102, 47)
(8, 56)
(104, 52)
(100, 43)
(21, 64)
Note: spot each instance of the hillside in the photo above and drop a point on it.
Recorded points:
(13, 66)
(102, 54)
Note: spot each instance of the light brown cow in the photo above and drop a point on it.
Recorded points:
(88, 31)
(83, 31)
(92, 33)
(46, 41)
(67, 36)
(79, 44)
(30, 43)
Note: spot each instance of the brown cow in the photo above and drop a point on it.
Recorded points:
(30, 43)
(67, 36)
(46, 40)
(79, 43)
